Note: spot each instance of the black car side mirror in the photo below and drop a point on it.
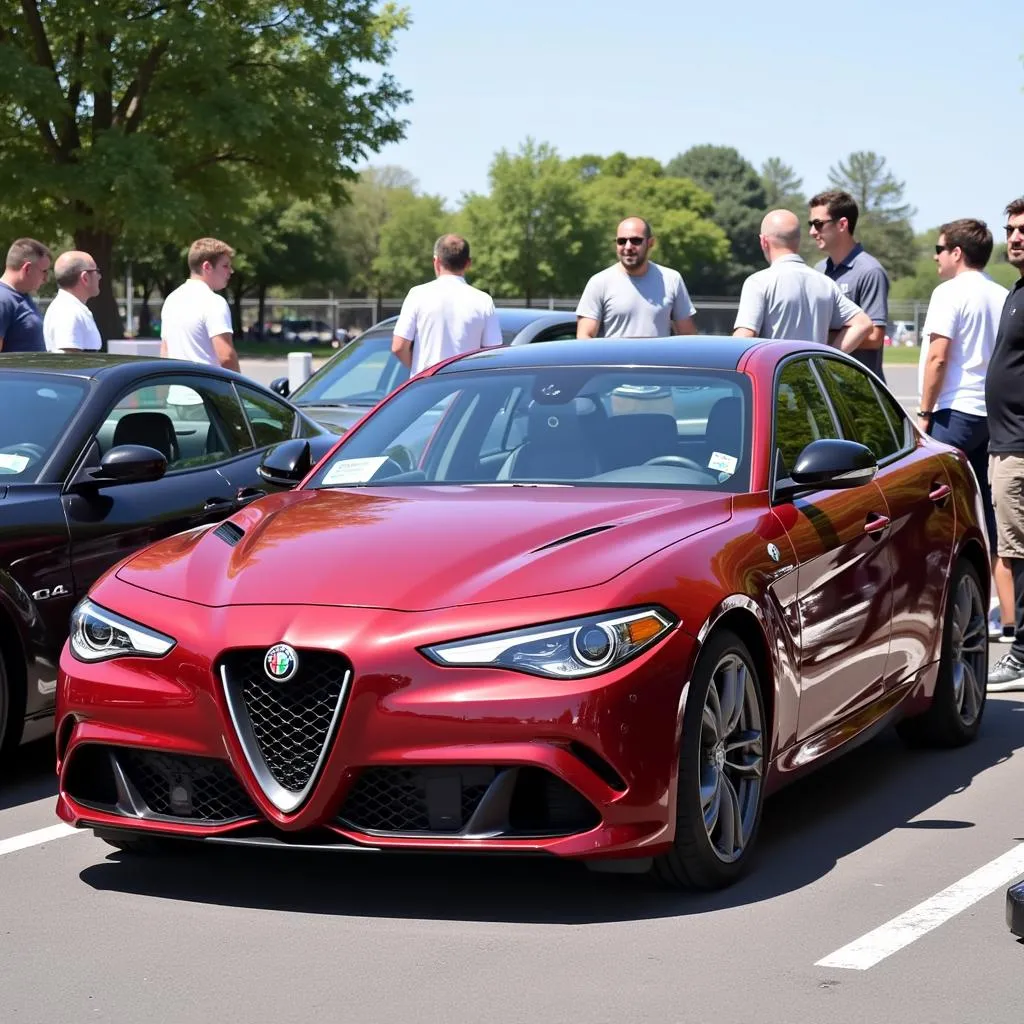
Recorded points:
(834, 463)
(287, 463)
(129, 464)
(280, 386)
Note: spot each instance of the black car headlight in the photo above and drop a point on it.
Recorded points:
(561, 650)
(98, 634)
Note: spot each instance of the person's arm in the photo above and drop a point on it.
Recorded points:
(851, 335)
(589, 310)
(750, 314)
(5, 318)
(683, 310)
(402, 348)
(492, 331)
(224, 350)
(935, 364)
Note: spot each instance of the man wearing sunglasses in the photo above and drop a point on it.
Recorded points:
(861, 278)
(1004, 403)
(635, 298)
(69, 325)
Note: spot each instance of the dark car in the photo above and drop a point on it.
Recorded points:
(360, 375)
(101, 455)
(571, 628)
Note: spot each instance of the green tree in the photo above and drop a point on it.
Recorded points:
(529, 236)
(406, 242)
(677, 210)
(783, 188)
(739, 204)
(884, 224)
(130, 112)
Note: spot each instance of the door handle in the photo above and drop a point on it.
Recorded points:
(247, 494)
(876, 523)
(939, 493)
(214, 503)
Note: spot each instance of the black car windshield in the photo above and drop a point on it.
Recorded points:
(363, 373)
(34, 410)
(582, 426)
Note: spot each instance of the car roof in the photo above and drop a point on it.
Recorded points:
(693, 350)
(103, 366)
(511, 318)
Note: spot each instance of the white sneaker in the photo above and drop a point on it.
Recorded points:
(1007, 674)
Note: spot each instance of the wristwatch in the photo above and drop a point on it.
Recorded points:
(923, 414)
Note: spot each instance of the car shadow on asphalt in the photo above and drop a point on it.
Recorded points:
(30, 775)
(807, 829)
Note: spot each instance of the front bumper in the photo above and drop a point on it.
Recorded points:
(422, 757)
(1015, 909)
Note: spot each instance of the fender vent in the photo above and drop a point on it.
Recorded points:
(229, 533)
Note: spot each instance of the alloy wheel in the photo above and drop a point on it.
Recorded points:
(732, 758)
(969, 651)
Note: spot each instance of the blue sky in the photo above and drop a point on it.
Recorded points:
(936, 88)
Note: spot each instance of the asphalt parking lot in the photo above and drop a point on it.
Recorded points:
(878, 894)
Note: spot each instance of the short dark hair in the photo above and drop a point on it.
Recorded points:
(839, 204)
(452, 252)
(1015, 208)
(25, 250)
(972, 238)
(207, 250)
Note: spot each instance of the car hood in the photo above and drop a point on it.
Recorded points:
(421, 548)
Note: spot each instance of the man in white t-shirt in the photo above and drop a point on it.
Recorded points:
(195, 322)
(69, 325)
(447, 316)
(958, 338)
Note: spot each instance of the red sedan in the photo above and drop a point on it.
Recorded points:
(591, 599)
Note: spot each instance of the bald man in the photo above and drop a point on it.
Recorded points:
(69, 325)
(790, 300)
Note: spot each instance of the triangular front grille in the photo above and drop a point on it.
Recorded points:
(286, 728)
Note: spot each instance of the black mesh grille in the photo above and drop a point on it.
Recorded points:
(290, 720)
(178, 786)
(416, 799)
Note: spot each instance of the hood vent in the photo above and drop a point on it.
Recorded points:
(229, 533)
(569, 537)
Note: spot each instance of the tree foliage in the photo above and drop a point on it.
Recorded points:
(739, 204)
(134, 114)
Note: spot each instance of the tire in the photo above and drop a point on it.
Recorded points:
(721, 768)
(958, 704)
(12, 714)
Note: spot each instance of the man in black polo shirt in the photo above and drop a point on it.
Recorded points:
(1004, 403)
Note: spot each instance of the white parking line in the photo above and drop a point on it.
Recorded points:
(41, 835)
(891, 937)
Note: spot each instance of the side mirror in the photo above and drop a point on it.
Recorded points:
(834, 463)
(129, 464)
(287, 463)
(279, 385)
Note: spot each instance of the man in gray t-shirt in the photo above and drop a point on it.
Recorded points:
(790, 300)
(635, 298)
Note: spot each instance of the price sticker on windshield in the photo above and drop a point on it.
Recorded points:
(12, 463)
(722, 463)
(353, 471)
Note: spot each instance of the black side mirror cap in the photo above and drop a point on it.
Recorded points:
(286, 464)
(834, 463)
(126, 464)
(280, 386)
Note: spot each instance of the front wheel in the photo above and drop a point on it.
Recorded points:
(958, 704)
(12, 713)
(721, 770)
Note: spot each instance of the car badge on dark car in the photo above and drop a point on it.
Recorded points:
(281, 663)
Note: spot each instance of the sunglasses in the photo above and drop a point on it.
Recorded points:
(1010, 228)
(633, 240)
(819, 224)
(942, 248)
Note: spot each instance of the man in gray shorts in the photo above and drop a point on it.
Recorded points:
(789, 300)
(635, 298)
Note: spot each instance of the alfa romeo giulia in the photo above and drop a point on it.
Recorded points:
(624, 591)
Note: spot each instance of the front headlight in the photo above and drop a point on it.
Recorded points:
(561, 650)
(97, 634)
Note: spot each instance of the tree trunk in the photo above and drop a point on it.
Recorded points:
(145, 313)
(100, 246)
(261, 312)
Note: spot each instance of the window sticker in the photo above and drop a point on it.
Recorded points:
(13, 463)
(353, 471)
(722, 463)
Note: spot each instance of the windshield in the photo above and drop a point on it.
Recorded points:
(34, 410)
(363, 373)
(583, 426)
